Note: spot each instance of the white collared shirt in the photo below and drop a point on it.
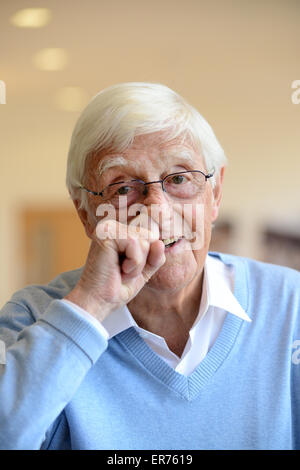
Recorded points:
(217, 299)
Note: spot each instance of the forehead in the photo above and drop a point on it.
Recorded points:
(146, 151)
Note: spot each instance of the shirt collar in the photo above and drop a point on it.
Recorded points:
(218, 285)
(218, 288)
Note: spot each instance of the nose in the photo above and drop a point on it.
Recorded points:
(159, 208)
(154, 193)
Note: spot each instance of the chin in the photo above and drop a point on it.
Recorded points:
(172, 277)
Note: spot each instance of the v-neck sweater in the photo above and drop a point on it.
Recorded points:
(64, 386)
(217, 300)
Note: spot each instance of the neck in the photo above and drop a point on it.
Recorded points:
(169, 314)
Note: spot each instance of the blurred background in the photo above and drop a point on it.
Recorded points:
(236, 61)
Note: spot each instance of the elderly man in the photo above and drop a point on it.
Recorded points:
(155, 343)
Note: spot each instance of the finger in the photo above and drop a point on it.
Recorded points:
(144, 226)
(156, 258)
(156, 254)
(136, 254)
(135, 244)
(153, 258)
(118, 232)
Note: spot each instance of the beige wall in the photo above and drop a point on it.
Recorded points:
(234, 60)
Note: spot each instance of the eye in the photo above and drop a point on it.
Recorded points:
(123, 193)
(123, 190)
(178, 179)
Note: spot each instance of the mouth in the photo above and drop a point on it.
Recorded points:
(169, 242)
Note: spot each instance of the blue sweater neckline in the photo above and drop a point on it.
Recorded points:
(189, 387)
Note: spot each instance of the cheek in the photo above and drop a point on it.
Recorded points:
(201, 222)
(104, 211)
(198, 217)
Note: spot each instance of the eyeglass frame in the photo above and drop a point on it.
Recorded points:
(100, 193)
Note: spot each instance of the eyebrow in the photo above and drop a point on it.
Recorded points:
(118, 160)
(111, 162)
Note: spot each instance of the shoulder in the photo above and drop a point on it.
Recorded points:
(260, 271)
(36, 298)
(265, 287)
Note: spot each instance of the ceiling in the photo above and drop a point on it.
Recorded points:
(191, 45)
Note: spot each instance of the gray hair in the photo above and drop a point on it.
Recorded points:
(116, 115)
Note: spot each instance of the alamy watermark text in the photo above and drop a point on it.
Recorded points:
(295, 97)
(2, 92)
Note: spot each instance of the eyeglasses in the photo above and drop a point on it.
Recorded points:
(181, 185)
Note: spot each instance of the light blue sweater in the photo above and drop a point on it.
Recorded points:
(64, 387)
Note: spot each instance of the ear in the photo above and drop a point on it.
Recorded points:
(217, 194)
(84, 217)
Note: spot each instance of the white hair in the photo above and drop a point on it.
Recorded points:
(116, 115)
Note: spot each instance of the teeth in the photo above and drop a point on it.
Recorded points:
(167, 241)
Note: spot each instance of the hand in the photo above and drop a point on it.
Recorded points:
(119, 263)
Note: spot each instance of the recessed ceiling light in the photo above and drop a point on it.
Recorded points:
(51, 59)
(71, 98)
(31, 17)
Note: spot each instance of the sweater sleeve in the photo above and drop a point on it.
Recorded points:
(44, 363)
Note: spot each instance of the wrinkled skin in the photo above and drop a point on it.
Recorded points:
(163, 289)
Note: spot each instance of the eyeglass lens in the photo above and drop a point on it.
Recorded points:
(179, 186)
